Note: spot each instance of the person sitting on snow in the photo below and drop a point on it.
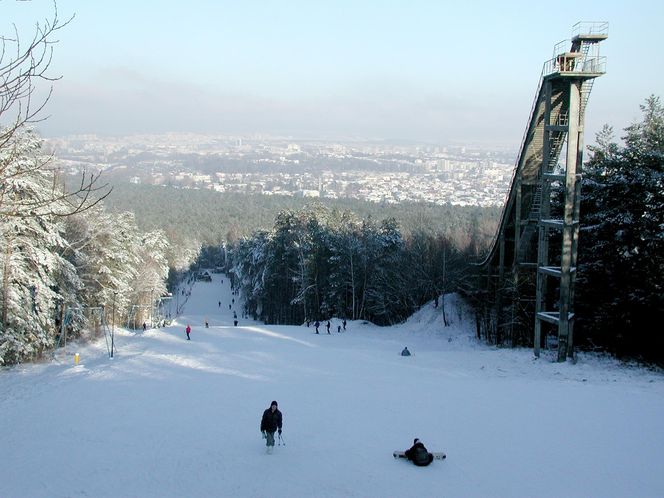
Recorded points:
(405, 352)
(418, 454)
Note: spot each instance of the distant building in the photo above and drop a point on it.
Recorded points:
(308, 193)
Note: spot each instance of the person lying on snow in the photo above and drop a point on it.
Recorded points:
(418, 454)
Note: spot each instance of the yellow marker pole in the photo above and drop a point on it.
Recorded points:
(76, 358)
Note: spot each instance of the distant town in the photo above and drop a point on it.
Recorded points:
(377, 171)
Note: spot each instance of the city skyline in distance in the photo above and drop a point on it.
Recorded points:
(414, 70)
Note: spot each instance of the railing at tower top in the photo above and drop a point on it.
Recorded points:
(592, 28)
(583, 56)
(574, 62)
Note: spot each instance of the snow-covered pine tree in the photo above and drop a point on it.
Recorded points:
(33, 273)
(387, 296)
(150, 282)
(344, 281)
(249, 267)
(107, 258)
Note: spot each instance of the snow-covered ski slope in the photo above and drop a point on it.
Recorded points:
(169, 417)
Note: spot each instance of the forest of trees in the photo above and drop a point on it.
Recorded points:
(428, 237)
(317, 263)
(208, 218)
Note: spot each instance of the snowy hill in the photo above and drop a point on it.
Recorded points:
(169, 417)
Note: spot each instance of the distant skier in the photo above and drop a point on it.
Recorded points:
(405, 352)
(188, 331)
(207, 325)
(271, 422)
(317, 324)
(339, 329)
(327, 326)
(220, 304)
(418, 454)
(145, 326)
(344, 324)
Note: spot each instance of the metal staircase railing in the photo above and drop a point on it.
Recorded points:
(586, 87)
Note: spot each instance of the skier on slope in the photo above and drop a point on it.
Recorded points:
(188, 331)
(270, 423)
(418, 454)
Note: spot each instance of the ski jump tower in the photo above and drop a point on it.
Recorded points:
(527, 278)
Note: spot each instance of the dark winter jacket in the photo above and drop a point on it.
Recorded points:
(419, 455)
(271, 421)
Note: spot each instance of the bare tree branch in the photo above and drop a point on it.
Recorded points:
(21, 68)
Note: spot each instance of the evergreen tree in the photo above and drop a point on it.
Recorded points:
(621, 246)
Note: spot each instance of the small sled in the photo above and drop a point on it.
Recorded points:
(436, 455)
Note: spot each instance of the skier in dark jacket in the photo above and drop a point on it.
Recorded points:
(270, 423)
(418, 454)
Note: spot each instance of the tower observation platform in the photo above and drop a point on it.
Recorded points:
(523, 290)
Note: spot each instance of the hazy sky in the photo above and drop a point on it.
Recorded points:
(436, 71)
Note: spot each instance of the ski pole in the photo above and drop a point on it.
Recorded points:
(281, 440)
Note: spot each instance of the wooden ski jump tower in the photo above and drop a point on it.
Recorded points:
(527, 238)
